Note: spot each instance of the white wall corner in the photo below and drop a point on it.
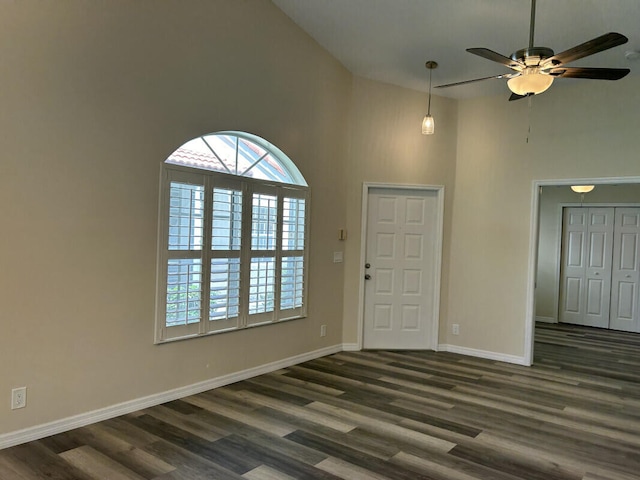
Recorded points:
(351, 347)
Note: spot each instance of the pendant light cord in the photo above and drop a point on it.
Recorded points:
(429, 108)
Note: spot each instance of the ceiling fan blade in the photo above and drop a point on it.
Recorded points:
(455, 84)
(599, 44)
(496, 57)
(586, 72)
(515, 96)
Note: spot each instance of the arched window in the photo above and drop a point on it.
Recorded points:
(233, 237)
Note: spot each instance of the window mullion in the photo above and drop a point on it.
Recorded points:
(245, 254)
(305, 251)
(163, 257)
(206, 254)
(278, 254)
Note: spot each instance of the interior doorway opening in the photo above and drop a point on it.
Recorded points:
(544, 251)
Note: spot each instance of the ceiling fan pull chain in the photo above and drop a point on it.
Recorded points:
(530, 100)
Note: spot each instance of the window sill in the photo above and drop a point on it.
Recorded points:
(226, 330)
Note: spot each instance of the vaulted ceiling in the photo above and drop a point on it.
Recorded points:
(390, 40)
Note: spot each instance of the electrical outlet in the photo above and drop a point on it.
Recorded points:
(18, 398)
(455, 329)
(323, 330)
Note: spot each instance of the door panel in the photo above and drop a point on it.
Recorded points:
(383, 280)
(572, 294)
(410, 318)
(573, 266)
(383, 314)
(586, 268)
(400, 249)
(595, 296)
(598, 271)
(625, 271)
(625, 304)
(575, 249)
(597, 249)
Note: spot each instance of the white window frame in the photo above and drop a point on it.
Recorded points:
(248, 186)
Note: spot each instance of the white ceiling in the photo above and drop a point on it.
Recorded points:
(390, 40)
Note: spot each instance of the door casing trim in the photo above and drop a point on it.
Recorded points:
(437, 273)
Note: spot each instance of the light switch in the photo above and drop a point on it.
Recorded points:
(337, 257)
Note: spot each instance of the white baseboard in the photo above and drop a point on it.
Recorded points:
(472, 352)
(546, 319)
(58, 426)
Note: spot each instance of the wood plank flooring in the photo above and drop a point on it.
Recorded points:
(574, 415)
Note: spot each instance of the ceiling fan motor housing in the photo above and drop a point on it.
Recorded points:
(531, 79)
(531, 56)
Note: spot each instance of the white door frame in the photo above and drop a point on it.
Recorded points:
(533, 247)
(439, 190)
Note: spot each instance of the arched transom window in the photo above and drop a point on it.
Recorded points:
(238, 153)
(233, 237)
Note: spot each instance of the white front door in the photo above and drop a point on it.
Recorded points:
(402, 267)
(625, 274)
(586, 266)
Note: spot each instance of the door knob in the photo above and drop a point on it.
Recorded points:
(367, 265)
(367, 277)
(597, 273)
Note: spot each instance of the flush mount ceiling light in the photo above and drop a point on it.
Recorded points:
(582, 188)
(428, 123)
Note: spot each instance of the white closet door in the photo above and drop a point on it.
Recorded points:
(586, 266)
(625, 273)
(574, 239)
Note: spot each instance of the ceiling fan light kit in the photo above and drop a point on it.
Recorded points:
(531, 82)
(535, 68)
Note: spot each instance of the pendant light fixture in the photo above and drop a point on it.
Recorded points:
(428, 124)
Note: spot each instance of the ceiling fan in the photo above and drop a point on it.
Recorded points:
(535, 68)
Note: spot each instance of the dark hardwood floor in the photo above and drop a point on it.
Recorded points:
(381, 415)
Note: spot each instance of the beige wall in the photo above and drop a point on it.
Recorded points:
(386, 146)
(95, 95)
(552, 199)
(578, 130)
